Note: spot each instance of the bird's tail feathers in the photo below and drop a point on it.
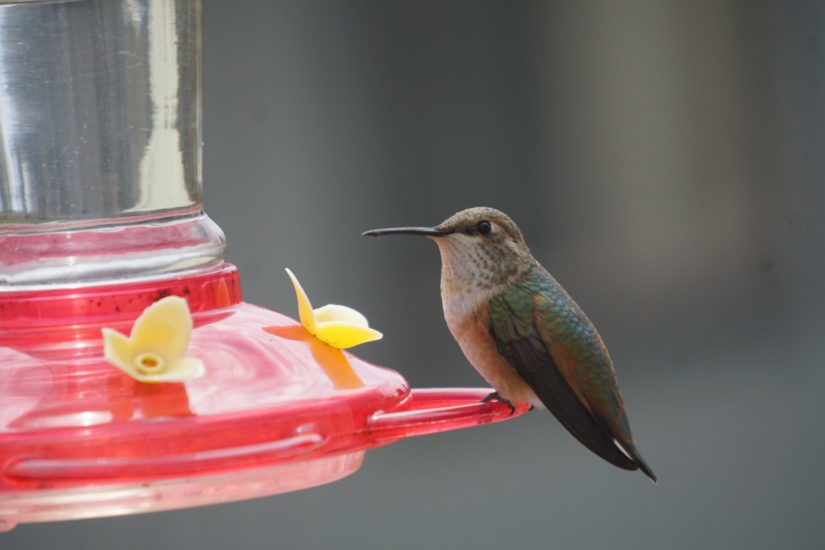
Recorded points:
(634, 454)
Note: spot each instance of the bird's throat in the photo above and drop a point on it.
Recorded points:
(464, 290)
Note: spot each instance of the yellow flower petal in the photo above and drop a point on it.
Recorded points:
(345, 335)
(154, 351)
(117, 349)
(339, 326)
(163, 328)
(183, 369)
(305, 312)
(340, 314)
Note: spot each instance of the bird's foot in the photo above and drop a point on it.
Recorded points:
(496, 397)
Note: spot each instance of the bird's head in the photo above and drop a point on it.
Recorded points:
(480, 247)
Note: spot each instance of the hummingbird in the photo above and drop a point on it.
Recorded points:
(523, 332)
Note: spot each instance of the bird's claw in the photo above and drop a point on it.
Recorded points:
(494, 396)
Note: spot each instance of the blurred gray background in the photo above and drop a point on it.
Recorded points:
(665, 162)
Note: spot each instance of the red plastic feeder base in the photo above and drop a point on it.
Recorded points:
(277, 410)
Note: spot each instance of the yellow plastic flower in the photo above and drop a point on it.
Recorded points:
(154, 352)
(339, 326)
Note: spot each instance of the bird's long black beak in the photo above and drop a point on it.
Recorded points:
(425, 231)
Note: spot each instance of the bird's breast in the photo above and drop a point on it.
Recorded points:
(469, 324)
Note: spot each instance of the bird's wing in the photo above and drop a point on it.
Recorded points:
(583, 360)
(513, 315)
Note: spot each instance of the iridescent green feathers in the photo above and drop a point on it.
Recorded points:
(553, 346)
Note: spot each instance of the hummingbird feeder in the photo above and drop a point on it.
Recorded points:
(101, 217)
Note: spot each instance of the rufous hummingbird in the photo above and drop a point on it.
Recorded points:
(524, 334)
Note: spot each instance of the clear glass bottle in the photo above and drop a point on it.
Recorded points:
(100, 143)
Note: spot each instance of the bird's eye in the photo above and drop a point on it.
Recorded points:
(484, 227)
